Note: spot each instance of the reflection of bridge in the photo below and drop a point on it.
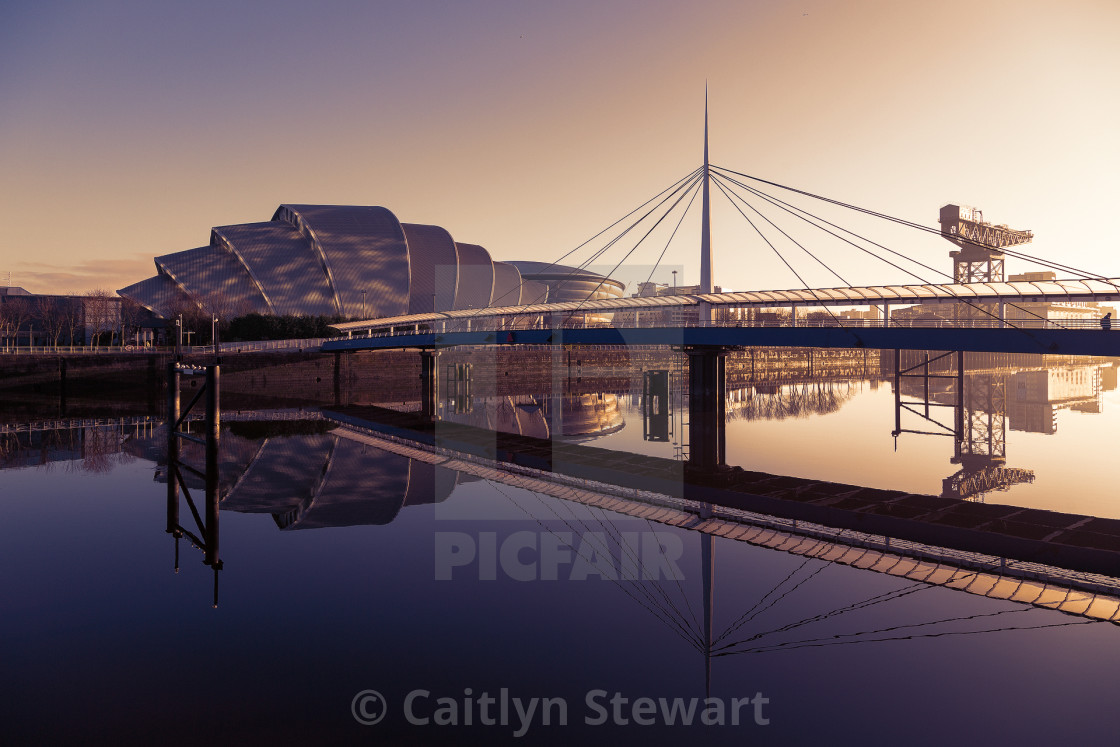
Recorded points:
(357, 473)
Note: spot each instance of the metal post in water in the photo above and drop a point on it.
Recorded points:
(172, 449)
(897, 392)
(213, 424)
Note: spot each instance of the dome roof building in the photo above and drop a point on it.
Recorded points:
(349, 261)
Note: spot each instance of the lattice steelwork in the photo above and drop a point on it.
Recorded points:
(979, 259)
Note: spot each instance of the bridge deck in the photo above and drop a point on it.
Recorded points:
(992, 340)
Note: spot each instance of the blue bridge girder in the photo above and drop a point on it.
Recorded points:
(980, 339)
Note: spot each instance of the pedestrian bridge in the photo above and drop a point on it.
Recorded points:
(735, 322)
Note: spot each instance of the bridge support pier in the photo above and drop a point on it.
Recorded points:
(429, 384)
(707, 387)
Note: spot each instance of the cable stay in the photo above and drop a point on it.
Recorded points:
(664, 215)
(783, 233)
(943, 634)
(669, 191)
(901, 221)
(681, 186)
(781, 257)
(672, 235)
(664, 609)
(787, 207)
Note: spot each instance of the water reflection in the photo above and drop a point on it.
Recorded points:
(567, 417)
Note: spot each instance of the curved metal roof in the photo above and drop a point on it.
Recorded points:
(533, 291)
(160, 295)
(547, 271)
(507, 284)
(365, 253)
(476, 277)
(434, 264)
(283, 264)
(216, 278)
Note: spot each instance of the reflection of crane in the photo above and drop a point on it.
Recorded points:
(973, 480)
(979, 259)
(979, 429)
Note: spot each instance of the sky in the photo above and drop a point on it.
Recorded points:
(128, 129)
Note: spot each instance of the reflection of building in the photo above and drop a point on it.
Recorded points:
(570, 417)
(1034, 397)
(330, 480)
(97, 444)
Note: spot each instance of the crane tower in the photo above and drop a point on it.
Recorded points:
(979, 259)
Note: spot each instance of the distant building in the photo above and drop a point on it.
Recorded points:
(64, 320)
(1020, 311)
(669, 316)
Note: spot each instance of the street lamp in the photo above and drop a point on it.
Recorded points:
(364, 312)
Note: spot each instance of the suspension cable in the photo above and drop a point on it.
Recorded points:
(787, 207)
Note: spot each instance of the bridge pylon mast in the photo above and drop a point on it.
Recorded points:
(706, 226)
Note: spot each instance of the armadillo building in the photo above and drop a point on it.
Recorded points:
(335, 260)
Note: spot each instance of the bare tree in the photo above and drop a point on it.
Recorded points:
(102, 313)
(17, 312)
(131, 315)
(72, 321)
(48, 314)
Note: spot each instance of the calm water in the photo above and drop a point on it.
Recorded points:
(405, 577)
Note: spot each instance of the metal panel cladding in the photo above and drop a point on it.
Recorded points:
(507, 285)
(283, 264)
(364, 251)
(160, 295)
(476, 277)
(362, 485)
(428, 483)
(533, 291)
(282, 474)
(434, 262)
(216, 279)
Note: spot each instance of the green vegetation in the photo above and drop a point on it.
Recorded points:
(262, 327)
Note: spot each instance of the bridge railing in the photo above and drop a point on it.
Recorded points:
(76, 349)
(310, 343)
(512, 324)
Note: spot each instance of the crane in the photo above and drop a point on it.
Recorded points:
(979, 259)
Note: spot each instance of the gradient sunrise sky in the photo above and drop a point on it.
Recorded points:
(128, 129)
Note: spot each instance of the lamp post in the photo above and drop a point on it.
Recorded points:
(364, 312)
(674, 278)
